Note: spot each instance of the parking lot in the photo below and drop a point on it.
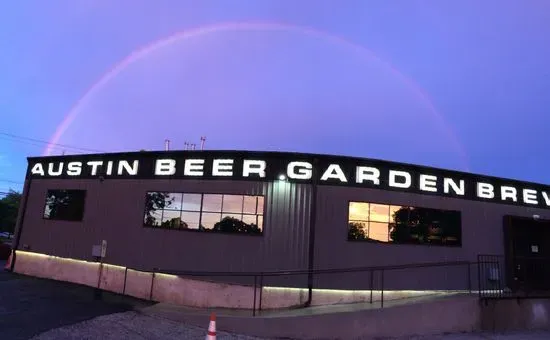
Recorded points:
(29, 306)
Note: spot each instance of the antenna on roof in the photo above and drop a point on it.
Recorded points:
(186, 144)
(203, 139)
(166, 144)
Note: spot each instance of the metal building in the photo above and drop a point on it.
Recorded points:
(233, 211)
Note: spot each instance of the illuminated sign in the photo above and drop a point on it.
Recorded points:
(296, 168)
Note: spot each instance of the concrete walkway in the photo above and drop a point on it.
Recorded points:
(133, 325)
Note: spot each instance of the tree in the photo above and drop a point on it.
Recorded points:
(421, 225)
(355, 231)
(234, 225)
(9, 206)
(153, 202)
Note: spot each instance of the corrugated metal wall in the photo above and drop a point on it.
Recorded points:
(114, 212)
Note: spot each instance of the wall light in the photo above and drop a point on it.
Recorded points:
(282, 177)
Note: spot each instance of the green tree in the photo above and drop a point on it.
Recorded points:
(9, 206)
(153, 202)
(234, 225)
(355, 231)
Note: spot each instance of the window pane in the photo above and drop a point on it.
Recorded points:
(378, 231)
(208, 220)
(190, 219)
(357, 230)
(379, 213)
(261, 222)
(152, 218)
(172, 201)
(232, 204)
(250, 219)
(358, 211)
(393, 210)
(65, 205)
(212, 203)
(235, 216)
(192, 202)
(260, 205)
(171, 219)
(233, 225)
(249, 206)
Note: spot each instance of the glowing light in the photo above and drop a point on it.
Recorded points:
(249, 26)
(282, 177)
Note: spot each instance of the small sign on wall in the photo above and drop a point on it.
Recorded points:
(99, 250)
(534, 248)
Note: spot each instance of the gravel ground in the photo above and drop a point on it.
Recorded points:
(132, 325)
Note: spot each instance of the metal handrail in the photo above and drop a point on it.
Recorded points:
(314, 271)
(259, 276)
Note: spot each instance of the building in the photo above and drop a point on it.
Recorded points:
(232, 211)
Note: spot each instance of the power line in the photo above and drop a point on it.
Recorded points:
(29, 140)
(10, 181)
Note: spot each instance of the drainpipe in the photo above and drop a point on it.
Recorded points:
(20, 220)
(312, 220)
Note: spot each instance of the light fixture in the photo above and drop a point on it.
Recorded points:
(282, 177)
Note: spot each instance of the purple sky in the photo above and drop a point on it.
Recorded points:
(360, 79)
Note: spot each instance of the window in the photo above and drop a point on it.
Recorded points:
(205, 212)
(384, 223)
(67, 205)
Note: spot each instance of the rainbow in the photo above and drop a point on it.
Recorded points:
(201, 31)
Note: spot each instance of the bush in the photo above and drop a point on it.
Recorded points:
(5, 251)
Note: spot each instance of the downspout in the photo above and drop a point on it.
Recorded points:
(312, 223)
(20, 220)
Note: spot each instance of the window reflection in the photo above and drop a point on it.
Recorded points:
(192, 202)
(212, 202)
(249, 204)
(67, 205)
(173, 201)
(205, 212)
(398, 224)
(260, 206)
(232, 204)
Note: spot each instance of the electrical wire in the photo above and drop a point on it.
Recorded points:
(34, 141)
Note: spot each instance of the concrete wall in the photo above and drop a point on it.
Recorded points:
(185, 291)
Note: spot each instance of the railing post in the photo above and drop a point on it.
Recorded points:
(479, 276)
(125, 277)
(152, 283)
(254, 302)
(469, 267)
(371, 283)
(382, 288)
(261, 291)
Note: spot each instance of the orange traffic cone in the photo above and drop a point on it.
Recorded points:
(211, 335)
(8, 264)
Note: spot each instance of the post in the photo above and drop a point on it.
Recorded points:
(152, 283)
(125, 277)
(382, 288)
(97, 291)
(254, 302)
(312, 220)
(371, 283)
(469, 266)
